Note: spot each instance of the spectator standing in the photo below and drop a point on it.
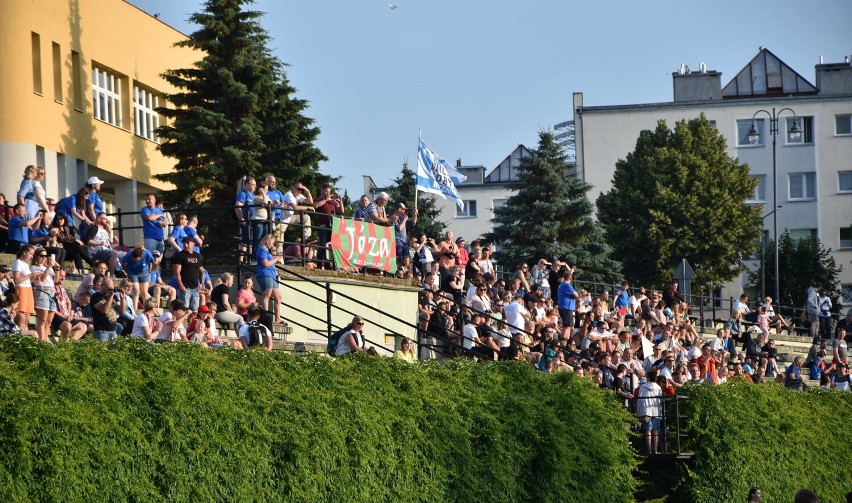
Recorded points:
(260, 217)
(844, 324)
(138, 265)
(297, 199)
(379, 214)
(812, 308)
(153, 224)
(401, 225)
(31, 193)
(94, 206)
(566, 300)
(67, 206)
(22, 275)
(242, 207)
(43, 291)
(276, 201)
(107, 304)
(825, 315)
(649, 410)
(189, 269)
(174, 242)
(365, 209)
(267, 276)
(326, 206)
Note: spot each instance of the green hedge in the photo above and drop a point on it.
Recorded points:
(141, 422)
(779, 440)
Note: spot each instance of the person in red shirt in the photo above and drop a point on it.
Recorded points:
(326, 205)
(707, 365)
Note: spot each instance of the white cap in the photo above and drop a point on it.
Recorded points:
(94, 181)
(383, 195)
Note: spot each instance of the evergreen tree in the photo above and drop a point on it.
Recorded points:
(402, 190)
(680, 195)
(550, 216)
(234, 113)
(801, 263)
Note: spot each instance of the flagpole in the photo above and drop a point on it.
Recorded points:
(420, 137)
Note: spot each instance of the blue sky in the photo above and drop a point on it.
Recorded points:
(478, 77)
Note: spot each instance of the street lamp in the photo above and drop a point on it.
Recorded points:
(762, 255)
(753, 137)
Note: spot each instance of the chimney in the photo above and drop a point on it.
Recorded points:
(458, 162)
(834, 78)
(703, 85)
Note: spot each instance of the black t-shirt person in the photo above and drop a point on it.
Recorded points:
(190, 268)
(100, 321)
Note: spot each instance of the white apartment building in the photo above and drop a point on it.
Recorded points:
(813, 170)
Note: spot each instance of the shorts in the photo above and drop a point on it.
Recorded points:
(653, 424)
(622, 311)
(57, 320)
(812, 317)
(567, 316)
(266, 283)
(102, 255)
(25, 299)
(144, 277)
(45, 301)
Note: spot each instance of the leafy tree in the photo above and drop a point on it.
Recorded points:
(234, 113)
(801, 263)
(550, 215)
(680, 195)
(402, 190)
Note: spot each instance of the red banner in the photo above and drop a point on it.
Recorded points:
(355, 243)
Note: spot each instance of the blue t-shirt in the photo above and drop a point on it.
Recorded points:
(264, 272)
(151, 229)
(41, 232)
(275, 196)
(189, 231)
(96, 201)
(565, 296)
(64, 207)
(18, 231)
(178, 233)
(621, 297)
(246, 199)
(155, 276)
(365, 214)
(141, 266)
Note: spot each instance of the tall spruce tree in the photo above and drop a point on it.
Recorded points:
(680, 195)
(234, 113)
(550, 216)
(402, 190)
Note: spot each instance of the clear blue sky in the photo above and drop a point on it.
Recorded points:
(478, 77)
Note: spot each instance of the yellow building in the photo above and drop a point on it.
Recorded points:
(80, 82)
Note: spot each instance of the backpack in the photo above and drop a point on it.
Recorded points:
(331, 347)
(256, 334)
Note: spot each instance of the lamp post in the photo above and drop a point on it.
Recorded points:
(762, 255)
(753, 137)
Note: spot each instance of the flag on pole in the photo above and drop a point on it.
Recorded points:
(437, 176)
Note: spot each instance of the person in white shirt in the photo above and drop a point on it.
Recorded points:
(146, 326)
(649, 410)
(298, 198)
(352, 341)
(516, 314)
(470, 333)
(172, 326)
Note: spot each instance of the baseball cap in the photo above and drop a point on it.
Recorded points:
(157, 253)
(94, 180)
(459, 239)
(383, 195)
(203, 309)
(4, 268)
(401, 206)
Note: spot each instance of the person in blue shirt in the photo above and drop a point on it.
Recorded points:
(175, 239)
(191, 230)
(31, 193)
(567, 302)
(20, 227)
(276, 197)
(92, 205)
(153, 223)
(242, 207)
(137, 265)
(621, 296)
(266, 275)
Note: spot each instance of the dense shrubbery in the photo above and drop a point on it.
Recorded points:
(146, 422)
(747, 435)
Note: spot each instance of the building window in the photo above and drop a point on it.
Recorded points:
(759, 189)
(806, 125)
(145, 117)
(846, 237)
(106, 90)
(57, 72)
(844, 181)
(744, 126)
(35, 38)
(802, 186)
(843, 124)
(800, 234)
(846, 293)
(77, 80)
(469, 210)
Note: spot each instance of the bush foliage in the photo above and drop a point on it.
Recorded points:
(779, 440)
(141, 422)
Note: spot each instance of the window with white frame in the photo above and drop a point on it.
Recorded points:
(843, 124)
(744, 126)
(846, 237)
(106, 91)
(759, 189)
(844, 181)
(145, 117)
(468, 211)
(802, 186)
(806, 128)
(846, 293)
(800, 234)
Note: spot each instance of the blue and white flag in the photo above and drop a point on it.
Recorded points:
(437, 176)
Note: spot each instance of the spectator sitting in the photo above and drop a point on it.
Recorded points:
(99, 241)
(353, 340)
(793, 375)
(7, 315)
(19, 228)
(406, 351)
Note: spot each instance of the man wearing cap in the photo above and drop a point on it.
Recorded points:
(298, 198)
(188, 269)
(326, 205)
(378, 212)
(94, 205)
(401, 224)
(153, 223)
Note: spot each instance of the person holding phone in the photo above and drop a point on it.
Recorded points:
(107, 304)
